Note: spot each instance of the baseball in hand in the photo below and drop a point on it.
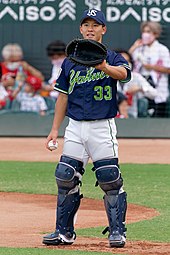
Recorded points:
(52, 146)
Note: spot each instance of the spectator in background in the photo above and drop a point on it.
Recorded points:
(9, 83)
(56, 53)
(3, 96)
(13, 58)
(137, 90)
(122, 102)
(3, 93)
(152, 60)
(28, 98)
(14, 69)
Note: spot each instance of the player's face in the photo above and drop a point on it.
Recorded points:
(90, 29)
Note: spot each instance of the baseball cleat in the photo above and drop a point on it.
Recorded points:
(56, 238)
(117, 240)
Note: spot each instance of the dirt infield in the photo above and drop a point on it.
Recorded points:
(130, 150)
(25, 218)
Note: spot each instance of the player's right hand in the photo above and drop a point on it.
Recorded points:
(52, 136)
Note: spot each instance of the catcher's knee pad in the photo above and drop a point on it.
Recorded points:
(116, 206)
(68, 174)
(108, 175)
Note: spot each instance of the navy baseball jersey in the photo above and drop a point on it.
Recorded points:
(91, 92)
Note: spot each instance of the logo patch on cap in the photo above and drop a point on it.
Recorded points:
(92, 13)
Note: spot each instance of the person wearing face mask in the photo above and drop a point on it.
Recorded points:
(13, 59)
(56, 53)
(138, 90)
(12, 66)
(152, 60)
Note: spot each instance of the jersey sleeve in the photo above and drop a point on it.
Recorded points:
(120, 61)
(62, 84)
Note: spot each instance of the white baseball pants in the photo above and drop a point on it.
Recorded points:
(91, 139)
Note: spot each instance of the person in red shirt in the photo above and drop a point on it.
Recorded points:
(13, 58)
(15, 70)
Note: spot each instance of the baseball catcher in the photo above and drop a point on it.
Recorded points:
(87, 88)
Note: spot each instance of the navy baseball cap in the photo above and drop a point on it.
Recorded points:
(94, 14)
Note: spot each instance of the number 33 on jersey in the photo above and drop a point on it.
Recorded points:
(90, 89)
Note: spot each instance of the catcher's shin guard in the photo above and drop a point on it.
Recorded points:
(67, 206)
(116, 206)
(109, 179)
(68, 175)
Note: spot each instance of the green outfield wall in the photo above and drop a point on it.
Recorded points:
(21, 124)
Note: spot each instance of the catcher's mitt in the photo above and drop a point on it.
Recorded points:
(86, 52)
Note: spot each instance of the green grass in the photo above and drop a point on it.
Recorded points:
(27, 177)
(146, 185)
(37, 251)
